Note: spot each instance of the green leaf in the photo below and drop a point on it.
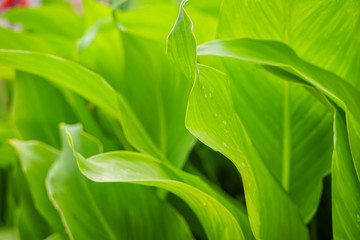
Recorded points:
(324, 33)
(131, 167)
(164, 136)
(278, 134)
(7, 154)
(284, 121)
(308, 204)
(35, 117)
(95, 89)
(44, 20)
(27, 41)
(114, 210)
(66, 74)
(8, 234)
(24, 40)
(28, 222)
(36, 159)
(158, 96)
(96, 40)
(158, 93)
(134, 5)
(277, 54)
(181, 43)
(153, 21)
(210, 8)
(84, 111)
(279, 118)
(211, 117)
(345, 186)
(30, 225)
(90, 35)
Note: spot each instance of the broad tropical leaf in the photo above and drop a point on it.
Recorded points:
(66, 74)
(304, 25)
(180, 46)
(144, 170)
(271, 90)
(345, 197)
(36, 159)
(293, 121)
(211, 117)
(279, 55)
(99, 204)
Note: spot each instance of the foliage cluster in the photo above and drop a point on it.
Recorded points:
(239, 121)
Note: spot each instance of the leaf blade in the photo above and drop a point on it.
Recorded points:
(144, 170)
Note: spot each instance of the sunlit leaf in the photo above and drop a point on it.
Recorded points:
(181, 46)
(345, 197)
(277, 54)
(211, 99)
(323, 33)
(98, 203)
(136, 168)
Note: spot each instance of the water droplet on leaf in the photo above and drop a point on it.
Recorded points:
(225, 145)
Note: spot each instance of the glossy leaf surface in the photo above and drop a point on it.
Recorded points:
(98, 203)
(144, 170)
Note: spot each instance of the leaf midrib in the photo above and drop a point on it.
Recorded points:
(286, 139)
